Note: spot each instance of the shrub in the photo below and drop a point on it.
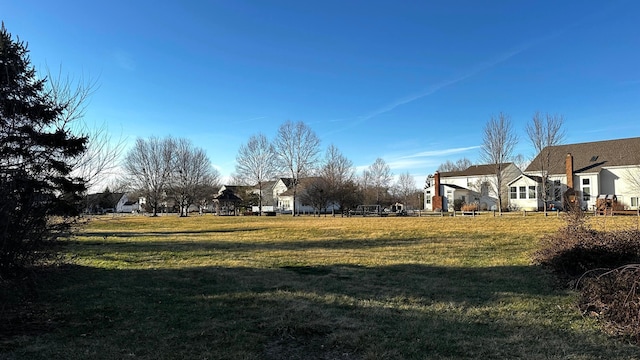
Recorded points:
(470, 207)
(572, 252)
(614, 298)
(576, 250)
(457, 204)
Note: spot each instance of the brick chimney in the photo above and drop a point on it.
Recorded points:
(569, 170)
(437, 200)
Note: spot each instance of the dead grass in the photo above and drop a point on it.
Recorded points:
(307, 288)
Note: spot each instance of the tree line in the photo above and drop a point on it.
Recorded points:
(161, 169)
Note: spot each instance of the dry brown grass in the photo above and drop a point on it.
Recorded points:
(309, 288)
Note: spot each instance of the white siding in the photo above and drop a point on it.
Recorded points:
(529, 201)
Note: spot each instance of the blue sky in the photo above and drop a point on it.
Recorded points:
(410, 82)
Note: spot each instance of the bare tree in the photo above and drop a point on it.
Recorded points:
(367, 193)
(499, 140)
(149, 166)
(103, 152)
(101, 158)
(297, 147)
(339, 173)
(632, 177)
(405, 186)
(545, 131)
(380, 176)
(459, 165)
(257, 162)
(315, 192)
(192, 176)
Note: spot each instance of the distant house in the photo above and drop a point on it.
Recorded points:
(100, 203)
(474, 185)
(280, 194)
(593, 170)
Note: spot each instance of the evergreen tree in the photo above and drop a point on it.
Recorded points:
(36, 152)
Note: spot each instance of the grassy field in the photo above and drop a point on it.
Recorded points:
(307, 288)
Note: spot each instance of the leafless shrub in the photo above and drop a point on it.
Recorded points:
(613, 297)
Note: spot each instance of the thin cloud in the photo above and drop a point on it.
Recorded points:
(439, 86)
(441, 152)
(420, 160)
(251, 120)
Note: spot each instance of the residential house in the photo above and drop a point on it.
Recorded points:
(474, 185)
(269, 200)
(108, 202)
(283, 196)
(592, 170)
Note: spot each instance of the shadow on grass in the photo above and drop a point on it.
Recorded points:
(133, 234)
(307, 312)
(195, 245)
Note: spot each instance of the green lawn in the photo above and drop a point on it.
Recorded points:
(305, 288)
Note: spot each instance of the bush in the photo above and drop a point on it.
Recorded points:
(586, 257)
(571, 252)
(613, 297)
(470, 207)
(457, 204)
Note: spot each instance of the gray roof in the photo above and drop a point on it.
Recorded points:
(590, 156)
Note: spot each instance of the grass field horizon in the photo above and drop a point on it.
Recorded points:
(209, 287)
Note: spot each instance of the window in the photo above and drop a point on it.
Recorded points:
(523, 192)
(586, 193)
(513, 194)
(532, 192)
(634, 201)
(557, 190)
(585, 181)
(428, 197)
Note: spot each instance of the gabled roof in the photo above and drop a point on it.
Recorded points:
(227, 195)
(267, 184)
(288, 182)
(475, 170)
(302, 184)
(234, 188)
(590, 156)
(537, 179)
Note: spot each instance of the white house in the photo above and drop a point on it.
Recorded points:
(283, 196)
(474, 185)
(594, 169)
(283, 200)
